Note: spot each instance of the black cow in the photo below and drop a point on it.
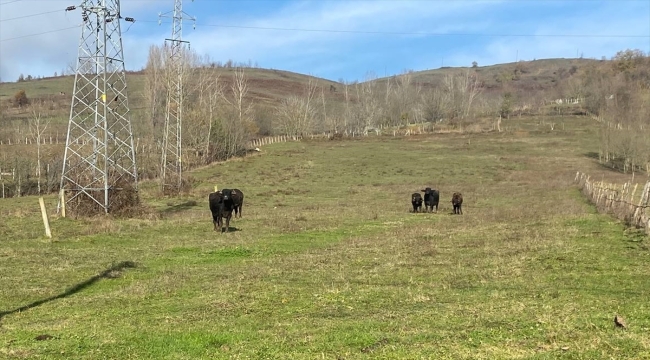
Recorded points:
(238, 200)
(457, 202)
(431, 199)
(228, 205)
(215, 200)
(416, 200)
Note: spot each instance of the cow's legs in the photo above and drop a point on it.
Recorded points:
(227, 223)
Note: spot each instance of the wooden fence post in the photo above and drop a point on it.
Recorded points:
(640, 210)
(62, 201)
(46, 222)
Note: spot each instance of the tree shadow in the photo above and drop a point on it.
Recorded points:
(615, 166)
(180, 207)
(110, 273)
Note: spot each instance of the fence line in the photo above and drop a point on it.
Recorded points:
(618, 200)
(272, 140)
(400, 130)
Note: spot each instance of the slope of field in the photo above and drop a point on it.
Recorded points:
(264, 83)
(327, 261)
(545, 76)
(266, 86)
(539, 79)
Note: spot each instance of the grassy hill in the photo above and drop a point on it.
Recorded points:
(328, 262)
(544, 76)
(270, 85)
(266, 86)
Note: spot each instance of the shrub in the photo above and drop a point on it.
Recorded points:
(20, 98)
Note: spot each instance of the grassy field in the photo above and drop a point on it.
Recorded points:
(328, 262)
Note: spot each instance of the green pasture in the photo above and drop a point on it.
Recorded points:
(328, 262)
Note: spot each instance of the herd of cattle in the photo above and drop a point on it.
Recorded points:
(431, 199)
(224, 202)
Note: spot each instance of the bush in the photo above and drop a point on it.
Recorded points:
(20, 98)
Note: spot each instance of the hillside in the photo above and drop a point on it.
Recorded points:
(546, 76)
(539, 79)
(272, 85)
(266, 86)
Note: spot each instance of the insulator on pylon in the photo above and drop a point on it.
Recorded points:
(70, 8)
(129, 19)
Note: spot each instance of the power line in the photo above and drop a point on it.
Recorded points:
(348, 31)
(41, 33)
(422, 33)
(26, 16)
(9, 2)
(372, 32)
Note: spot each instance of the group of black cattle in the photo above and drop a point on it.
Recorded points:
(222, 204)
(431, 199)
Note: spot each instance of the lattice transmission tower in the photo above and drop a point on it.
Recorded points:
(171, 173)
(99, 159)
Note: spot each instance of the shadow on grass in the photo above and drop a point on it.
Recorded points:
(230, 229)
(615, 166)
(180, 207)
(110, 273)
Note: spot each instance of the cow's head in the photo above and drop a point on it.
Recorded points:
(426, 190)
(227, 194)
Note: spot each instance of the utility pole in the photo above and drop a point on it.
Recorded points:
(99, 159)
(171, 172)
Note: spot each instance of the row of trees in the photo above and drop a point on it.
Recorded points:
(220, 115)
(618, 95)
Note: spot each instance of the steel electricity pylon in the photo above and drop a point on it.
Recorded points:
(171, 173)
(99, 159)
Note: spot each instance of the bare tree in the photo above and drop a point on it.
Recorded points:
(296, 114)
(238, 117)
(289, 113)
(461, 90)
(154, 87)
(215, 93)
(37, 128)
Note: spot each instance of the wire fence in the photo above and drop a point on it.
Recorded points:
(619, 200)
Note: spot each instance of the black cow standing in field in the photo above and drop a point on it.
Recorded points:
(416, 200)
(215, 200)
(238, 200)
(228, 206)
(222, 205)
(431, 199)
(457, 202)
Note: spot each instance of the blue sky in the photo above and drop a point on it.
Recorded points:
(337, 39)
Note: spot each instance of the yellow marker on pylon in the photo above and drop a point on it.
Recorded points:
(103, 97)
